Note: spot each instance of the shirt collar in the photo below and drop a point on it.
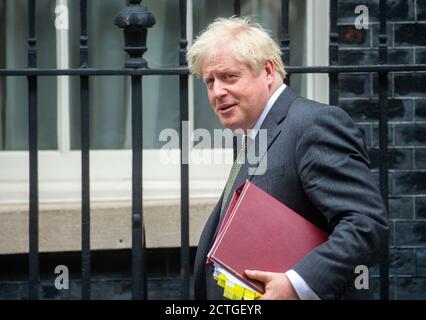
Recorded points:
(253, 132)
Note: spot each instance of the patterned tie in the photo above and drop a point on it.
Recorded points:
(234, 172)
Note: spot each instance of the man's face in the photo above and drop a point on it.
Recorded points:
(237, 94)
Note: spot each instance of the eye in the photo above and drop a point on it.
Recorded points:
(209, 82)
(230, 77)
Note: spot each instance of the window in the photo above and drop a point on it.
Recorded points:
(58, 97)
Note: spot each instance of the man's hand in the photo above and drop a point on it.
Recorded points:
(277, 285)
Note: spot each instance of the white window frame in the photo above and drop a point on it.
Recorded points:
(110, 170)
(317, 43)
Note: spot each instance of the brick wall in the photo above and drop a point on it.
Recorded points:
(406, 29)
(110, 275)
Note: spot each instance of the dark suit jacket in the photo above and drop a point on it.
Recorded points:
(317, 164)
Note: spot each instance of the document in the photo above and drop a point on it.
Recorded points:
(258, 232)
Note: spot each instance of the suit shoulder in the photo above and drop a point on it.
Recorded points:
(316, 120)
(306, 111)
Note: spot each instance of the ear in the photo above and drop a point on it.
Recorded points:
(270, 71)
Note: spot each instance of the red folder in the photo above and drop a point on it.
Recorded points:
(258, 232)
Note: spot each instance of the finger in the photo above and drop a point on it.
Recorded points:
(259, 275)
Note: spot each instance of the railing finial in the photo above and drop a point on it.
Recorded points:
(135, 19)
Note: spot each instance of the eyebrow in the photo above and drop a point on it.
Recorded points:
(227, 69)
(224, 70)
(205, 78)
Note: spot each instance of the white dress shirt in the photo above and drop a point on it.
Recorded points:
(300, 286)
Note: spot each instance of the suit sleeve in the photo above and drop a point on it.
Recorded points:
(333, 167)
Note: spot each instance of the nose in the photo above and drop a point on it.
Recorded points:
(219, 89)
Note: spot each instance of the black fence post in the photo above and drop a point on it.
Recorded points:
(34, 275)
(85, 158)
(184, 148)
(383, 144)
(333, 55)
(2, 80)
(135, 19)
(285, 40)
(237, 8)
(237, 13)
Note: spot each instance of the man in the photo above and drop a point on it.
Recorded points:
(317, 164)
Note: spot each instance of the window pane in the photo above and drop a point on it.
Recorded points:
(15, 92)
(110, 96)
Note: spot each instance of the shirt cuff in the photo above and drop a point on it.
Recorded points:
(301, 287)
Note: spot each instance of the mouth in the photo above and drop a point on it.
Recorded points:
(226, 108)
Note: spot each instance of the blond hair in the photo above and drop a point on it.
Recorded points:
(248, 42)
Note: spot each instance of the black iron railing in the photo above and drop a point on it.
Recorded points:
(85, 156)
(135, 19)
(183, 145)
(285, 40)
(383, 144)
(33, 148)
